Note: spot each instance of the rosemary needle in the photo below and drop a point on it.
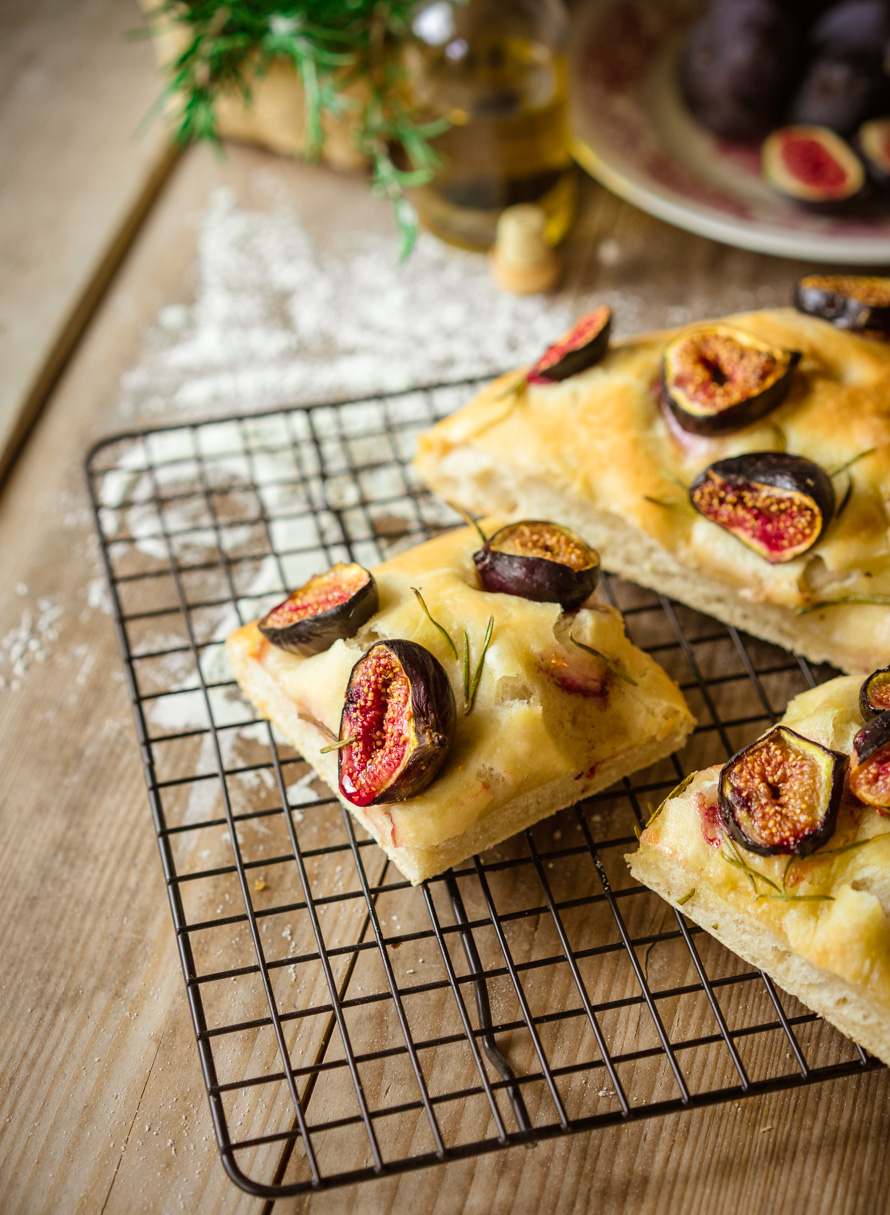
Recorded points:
(435, 623)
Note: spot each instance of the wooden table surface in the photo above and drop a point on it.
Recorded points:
(102, 1106)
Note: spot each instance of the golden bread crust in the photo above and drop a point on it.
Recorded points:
(829, 943)
(599, 449)
(550, 722)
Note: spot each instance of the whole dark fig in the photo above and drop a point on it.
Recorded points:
(717, 378)
(583, 346)
(840, 94)
(874, 695)
(870, 764)
(397, 724)
(781, 794)
(739, 66)
(857, 29)
(812, 165)
(850, 301)
(776, 503)
(329, 606)
(541, 561)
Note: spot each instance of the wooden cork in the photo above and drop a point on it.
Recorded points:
(521, 259)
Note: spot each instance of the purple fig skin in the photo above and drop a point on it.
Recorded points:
(874, 695)
(731, 802)
(582, 347)
(313, 634)
(871, 738)
(775, 470)
(869, 781)
(840, 94)
(430, 728)
(855, 302)
(857, 29)
(535, 577)
(739, 67)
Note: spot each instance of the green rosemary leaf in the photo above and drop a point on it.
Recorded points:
(844, 601)
(686, 897)
(435, 623)
(667, 503)
(854, 460)
(474, 686)
(466, 668)
(828, 852)
(754, 875)
(780, 437)
(798, 898)
(637, 831)
(669, 476)
(609, 663)
(338, 746)
(516, 389)
(675, 792)
(468, 519)
(848, 493)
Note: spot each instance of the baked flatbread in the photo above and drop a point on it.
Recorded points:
(550, 723)
(821, 927)
(598, 452)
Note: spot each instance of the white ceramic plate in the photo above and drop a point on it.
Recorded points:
(634, 134)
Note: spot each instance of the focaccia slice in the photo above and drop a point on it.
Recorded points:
(550, 722)
(599, 452)
(818, 924)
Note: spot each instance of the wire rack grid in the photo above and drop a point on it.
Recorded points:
(348, 1025)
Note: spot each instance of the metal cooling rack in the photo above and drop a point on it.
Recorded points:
(348, 1025)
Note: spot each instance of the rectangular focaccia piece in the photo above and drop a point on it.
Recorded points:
(597, 452)
(550, 724)
(829, 942)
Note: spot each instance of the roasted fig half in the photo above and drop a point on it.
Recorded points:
(717, 378)
(397, 724)
(540, 561)
(776, 503)
(331, 605)
(874, 695)
(584, 344)
(850, 301)
(870, 763)
(812, 165)
(781, 794)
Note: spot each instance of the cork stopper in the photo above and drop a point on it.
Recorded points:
(521, 259)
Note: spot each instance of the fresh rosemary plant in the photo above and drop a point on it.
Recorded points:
(332, 44)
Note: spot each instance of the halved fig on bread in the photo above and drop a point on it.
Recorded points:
(329, 606)
(584, 344)
(860, 303)
(776, 503)
(874, 695)
(397, 724)
(781, 794)
(541, 561)
(718, 378)
(870, 764)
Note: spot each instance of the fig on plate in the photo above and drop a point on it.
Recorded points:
(776, 503)
(849, 301)
(397, 724)
(584, 344)
(718, 378)
(874, 695)
(541, 561)
(781, 794)
(870, 763)
(329, 606)
(856, 29)
(739, 66)
(840, 94)
(873, 143)
(812, 165)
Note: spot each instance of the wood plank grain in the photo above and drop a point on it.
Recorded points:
(77, 181)
(103, 1106)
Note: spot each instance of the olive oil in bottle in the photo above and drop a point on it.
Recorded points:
(496, 70)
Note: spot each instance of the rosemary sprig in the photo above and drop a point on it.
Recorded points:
(848, 493)
(473, 685)
(333, 45)
(667, 503)
(830, 852)
(435, 623)
(675, 792)
(339, 745)
(844, 601)
(609, 663)
(753, 875)
(853, 460)
(468, 519)
(686, 897)
(798, 898)
(516, 389)
(669, 476)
